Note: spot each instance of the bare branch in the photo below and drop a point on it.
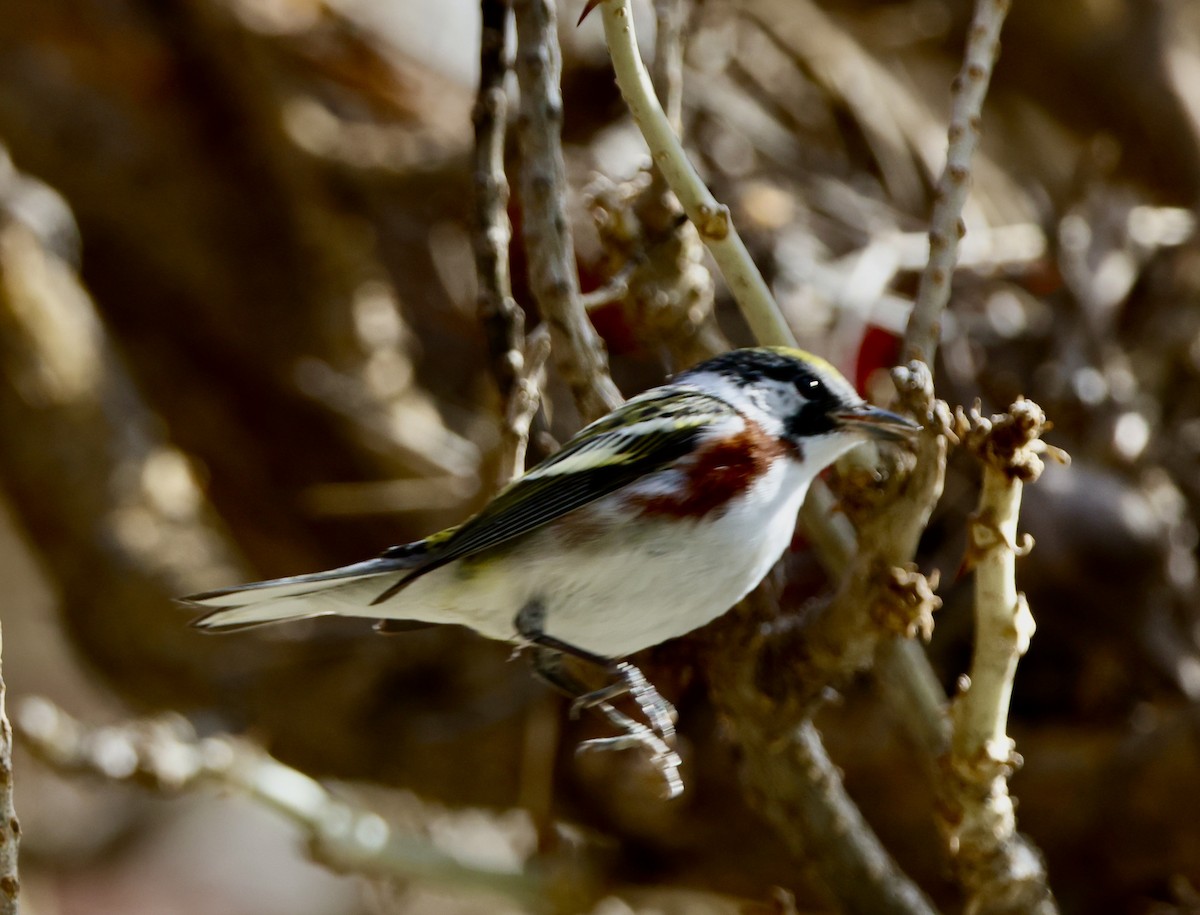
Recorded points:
(502, 319)
(945, 226)
(523, 401)
(165, 755)
(1001, 871)
(710, 217)
(10, 829)
(554, 277)
(517, 364)
(790, 779)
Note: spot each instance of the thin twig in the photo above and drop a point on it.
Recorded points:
(523, 402)
(517, 364)
(1001, 870)
(502, 319)
(667, 69)
(10, 829)
(711, 218)
(578, 350)
(164, 754)
(945, 224)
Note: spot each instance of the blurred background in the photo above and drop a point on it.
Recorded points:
(238, 340)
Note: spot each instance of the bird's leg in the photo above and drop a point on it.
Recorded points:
(626, 677)
(547, 660)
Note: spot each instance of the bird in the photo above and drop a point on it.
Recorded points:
(649, 523)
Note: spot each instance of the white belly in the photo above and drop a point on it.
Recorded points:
(627, 588)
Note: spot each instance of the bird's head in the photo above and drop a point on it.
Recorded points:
(798, 397)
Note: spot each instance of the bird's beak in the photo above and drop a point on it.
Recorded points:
(877, 423)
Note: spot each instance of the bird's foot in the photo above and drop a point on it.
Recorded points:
(656, 736)
(628, 679)
(640, 736)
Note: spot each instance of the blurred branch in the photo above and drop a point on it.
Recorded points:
(165, 755)
(10, 829)
(122, 525)
(855, 80)
(790, 779)
(554, 275)
(710, 218)
(667, 75)
(1001, 870)
(119, 516)
(945, 224)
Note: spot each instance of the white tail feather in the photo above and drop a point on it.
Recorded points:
(348, 590)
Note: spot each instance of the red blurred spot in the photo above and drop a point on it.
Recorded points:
(880, 349)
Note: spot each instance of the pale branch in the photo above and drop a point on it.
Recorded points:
(710, 218)
(945, 224)
(164, 754)
(10, 828)
(523, 401)
(1000, 870)
(553, 275)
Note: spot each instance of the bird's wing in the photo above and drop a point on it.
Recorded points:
(642, 436)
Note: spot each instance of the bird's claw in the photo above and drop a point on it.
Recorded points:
(637, 735)
(656, 737)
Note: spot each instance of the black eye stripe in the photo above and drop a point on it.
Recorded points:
(811, 419)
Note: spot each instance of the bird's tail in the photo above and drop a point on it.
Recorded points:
(348, 590)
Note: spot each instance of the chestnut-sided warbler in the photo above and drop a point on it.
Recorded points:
(649, 523)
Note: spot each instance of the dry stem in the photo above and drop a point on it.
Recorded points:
(711, 218)
(164, 754)
(945, 224)
(553, 275)
(518, 365)
(1000, 870)
(523, 401)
